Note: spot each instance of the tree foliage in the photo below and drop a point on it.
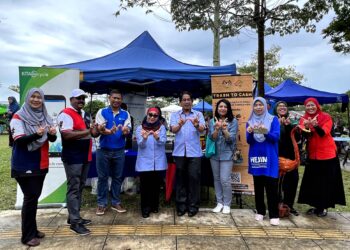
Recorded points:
(93, 107)
(225, 18)
(339, 29)
(274, 74)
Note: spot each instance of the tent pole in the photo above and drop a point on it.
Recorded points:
(348, 119)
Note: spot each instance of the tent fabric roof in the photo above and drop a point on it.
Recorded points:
(292, 92)
(267, 88)
(199, 106)
(171, 108)
(144, 63)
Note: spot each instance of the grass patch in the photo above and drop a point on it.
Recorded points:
(8, 189)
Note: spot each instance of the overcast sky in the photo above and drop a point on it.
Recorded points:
(52, 32)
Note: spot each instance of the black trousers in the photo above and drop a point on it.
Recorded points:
(31, 187)
(269, 184)
(76, 178)
(150, 182)
(188, 177)
(289, 187)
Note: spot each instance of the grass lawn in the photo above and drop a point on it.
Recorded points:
(8, 189)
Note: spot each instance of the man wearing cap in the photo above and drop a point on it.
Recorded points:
(114, 124)
(76, 135)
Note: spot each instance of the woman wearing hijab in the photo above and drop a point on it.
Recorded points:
(151, 160)
(223, 129)
(11, 110)
(263, 132)
(322, 183)
(290, 180)
(32, 129)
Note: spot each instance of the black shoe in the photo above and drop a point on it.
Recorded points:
(155, 210)
(79, 229)
(322, 213)
(294, 212)
(311, 211)
(181, 212)
(33, 242)
(145, 214)
(192, 213)
(81, 221)
(40, 235)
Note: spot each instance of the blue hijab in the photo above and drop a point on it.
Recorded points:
(13, 106)
(257, 120)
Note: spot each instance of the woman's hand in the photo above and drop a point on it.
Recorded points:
(250, 129)
(40, 131)
(156, 134)
(144, 134)
(52, 130)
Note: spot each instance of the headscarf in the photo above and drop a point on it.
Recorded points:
(264, 119)
(322, 117)
(151, 126)
(33, 118)
(275, 109)
(14, 106)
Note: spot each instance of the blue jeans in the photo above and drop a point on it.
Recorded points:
(109, 162)
(222, 181)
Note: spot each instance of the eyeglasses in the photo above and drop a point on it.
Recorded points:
(152, 115)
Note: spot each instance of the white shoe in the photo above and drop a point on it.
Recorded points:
(259, 217)
(226, 210)
(218, 208)
(274, 221)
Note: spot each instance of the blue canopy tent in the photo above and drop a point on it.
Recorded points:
(267, 88)
(203, 106)
(143, 66)
(294, 93)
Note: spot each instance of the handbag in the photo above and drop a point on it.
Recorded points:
(210, 148)
(283, 210)
(287, 165)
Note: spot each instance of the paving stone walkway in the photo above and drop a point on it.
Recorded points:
(165, 230)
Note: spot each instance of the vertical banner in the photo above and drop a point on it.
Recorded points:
(238, 91)
(57, 85)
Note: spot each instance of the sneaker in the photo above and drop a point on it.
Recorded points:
(226, 210)
(81, 221)
(259, 217)
(79, 229)
(218, 208)
(100, 210)
(274, 221)
(118, 208)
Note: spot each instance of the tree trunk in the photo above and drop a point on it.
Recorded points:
(216, 33)
(261, 48)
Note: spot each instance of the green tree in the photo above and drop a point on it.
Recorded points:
(339, 29)
(228, 17)
(274, 74)
(93, 107)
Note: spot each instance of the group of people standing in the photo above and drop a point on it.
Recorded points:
(268, 137)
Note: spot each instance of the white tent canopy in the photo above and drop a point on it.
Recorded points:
(171, 108)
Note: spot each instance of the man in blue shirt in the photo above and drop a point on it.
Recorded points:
(187, 124)
(114, 124)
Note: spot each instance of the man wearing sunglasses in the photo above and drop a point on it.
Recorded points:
(114, 124)
(76, 134)
(187, 124)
